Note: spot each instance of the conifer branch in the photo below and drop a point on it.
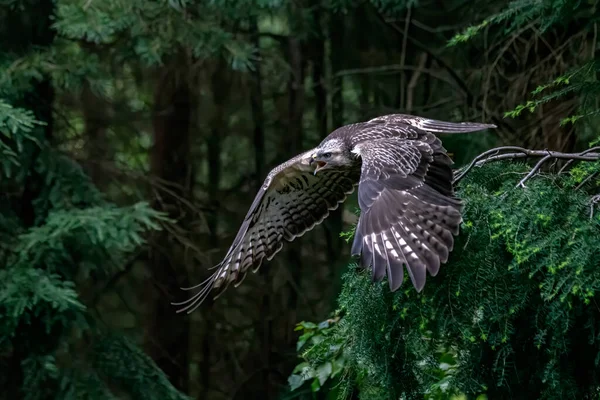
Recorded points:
(514, 152)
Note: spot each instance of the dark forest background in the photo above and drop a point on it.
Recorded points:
(135, 134)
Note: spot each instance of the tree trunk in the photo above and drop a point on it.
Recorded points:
(296, 97)
(170, 161)
(258, 115)
(336, 32)
(220, 88)
(264, 325)
(320, 91)
(296, 134)
(97, 120)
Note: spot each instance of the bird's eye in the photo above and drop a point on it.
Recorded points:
(326, 155)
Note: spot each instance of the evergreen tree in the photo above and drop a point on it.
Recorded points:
(513, 315)
(60, 236)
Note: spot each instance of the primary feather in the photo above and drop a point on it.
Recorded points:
(409, 214)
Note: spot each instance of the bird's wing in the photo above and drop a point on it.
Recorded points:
(430, 125)
(408, 212)
(291, 201)
(407, 127)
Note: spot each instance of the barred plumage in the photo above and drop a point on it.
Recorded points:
(408, 210)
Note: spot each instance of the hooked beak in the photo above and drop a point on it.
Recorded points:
(320, 164)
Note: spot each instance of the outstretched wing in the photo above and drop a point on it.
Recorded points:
(408, 212)
(291, 202)
(403, 126)
(429, 125)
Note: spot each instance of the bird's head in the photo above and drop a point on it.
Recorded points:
(331, 154)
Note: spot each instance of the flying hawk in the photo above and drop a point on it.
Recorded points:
(409, 213)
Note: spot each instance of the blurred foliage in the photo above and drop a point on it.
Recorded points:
(580, 80)
(16, 126)
(76, 235)
(58, 232)
(544, 14)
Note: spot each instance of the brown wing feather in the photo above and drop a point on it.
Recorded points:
(291, 202)
(408, 212)
(430, 125)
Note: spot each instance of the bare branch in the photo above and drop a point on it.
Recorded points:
(590, 150)
(513, 152)
(534, 170)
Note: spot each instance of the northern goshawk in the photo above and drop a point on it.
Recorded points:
(409, 213)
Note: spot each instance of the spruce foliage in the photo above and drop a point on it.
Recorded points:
(513, 315)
